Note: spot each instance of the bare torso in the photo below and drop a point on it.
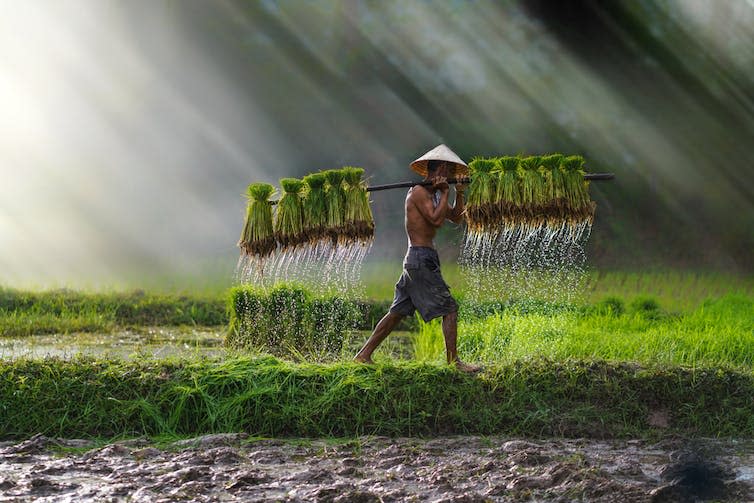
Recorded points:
(420, 231)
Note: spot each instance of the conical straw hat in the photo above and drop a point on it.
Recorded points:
(440, 153)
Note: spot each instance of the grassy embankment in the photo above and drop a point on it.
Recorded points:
(265, 396)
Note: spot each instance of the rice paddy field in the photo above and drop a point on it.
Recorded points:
(626, 377)
(684, 341)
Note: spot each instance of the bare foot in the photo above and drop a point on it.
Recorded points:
(466, 367)
(361, 359)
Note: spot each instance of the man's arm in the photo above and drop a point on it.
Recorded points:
(422, 199)
(455, 214)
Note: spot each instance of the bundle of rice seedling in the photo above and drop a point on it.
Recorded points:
(290, 321)
(359, 222)
(481, 211)
(580, 206)
(533, 191)
(315, 207)
(289, 218)
(508, 194)
(335, 197)
(555, 202)
(257, 237)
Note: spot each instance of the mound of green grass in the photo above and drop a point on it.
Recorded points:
(268, 397)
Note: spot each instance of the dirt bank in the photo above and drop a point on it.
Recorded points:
(460, 469)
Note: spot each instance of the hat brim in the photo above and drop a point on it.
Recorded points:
(420, 166)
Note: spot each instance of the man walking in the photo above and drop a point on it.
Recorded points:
(421, 286)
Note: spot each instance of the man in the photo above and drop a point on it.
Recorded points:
(421, 286)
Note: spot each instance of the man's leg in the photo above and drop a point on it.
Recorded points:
(450, 332)
(382, 330)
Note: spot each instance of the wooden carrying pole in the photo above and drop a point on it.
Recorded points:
(398, 185)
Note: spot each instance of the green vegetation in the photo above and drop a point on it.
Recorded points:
(332, 204)
(508, 193)
(600, 369)
(289, 217)
(533, 191)
(290, 321)
(257, 237)
(359, 222)
(676, 291)
(719, 332)
(336, 200)
(265, 396)
(315, 208)
(62, 311)
(481, 209)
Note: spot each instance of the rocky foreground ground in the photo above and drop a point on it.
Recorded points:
(457, 469)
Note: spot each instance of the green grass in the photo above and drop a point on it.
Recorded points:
(24, 313)
(24, 323)
(267, 397)
(61, 311)
(676, 290)
(719, 332)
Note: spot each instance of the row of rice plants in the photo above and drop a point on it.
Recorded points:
(719, 332)
(534, 191)
(330, 206)
(289, 321)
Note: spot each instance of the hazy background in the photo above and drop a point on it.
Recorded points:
(129, 130)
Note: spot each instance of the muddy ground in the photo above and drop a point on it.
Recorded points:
(456, 469)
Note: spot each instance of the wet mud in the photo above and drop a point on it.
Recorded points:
(233, 467)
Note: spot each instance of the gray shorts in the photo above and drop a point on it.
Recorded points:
(421, 287)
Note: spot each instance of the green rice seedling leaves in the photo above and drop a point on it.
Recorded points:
(288, 306)
(533, 189)
(581, 207)
(555, 204)
(315, 207)
(289, 218)
(249, 323)
(481, 210)
(257, 237)
(359, 222)
(336, 200)
(508, 194)
(289, 321)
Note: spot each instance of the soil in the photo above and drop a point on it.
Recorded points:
(234, 467)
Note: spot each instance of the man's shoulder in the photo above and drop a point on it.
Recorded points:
(418, 191)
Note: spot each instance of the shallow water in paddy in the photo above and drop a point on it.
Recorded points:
(163, 342)
(158, 342)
